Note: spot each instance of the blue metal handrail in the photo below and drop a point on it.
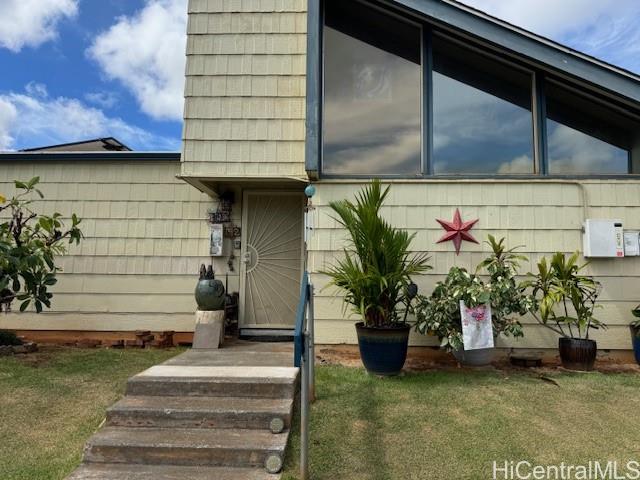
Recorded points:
(301, 324)
(303, 351)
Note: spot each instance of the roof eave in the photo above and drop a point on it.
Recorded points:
(89, 156)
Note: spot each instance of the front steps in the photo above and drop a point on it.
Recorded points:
(195, 422)
(253, 382)
(199, 412)
(185, 446)
(104, 471)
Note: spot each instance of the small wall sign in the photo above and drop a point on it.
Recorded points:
(216, 240)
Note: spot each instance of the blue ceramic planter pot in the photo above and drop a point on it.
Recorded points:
(635, 340)
(383, 350)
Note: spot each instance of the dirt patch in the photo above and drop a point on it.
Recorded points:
(41, 358)
(424, 359)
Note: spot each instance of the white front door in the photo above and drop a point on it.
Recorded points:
(271, 267)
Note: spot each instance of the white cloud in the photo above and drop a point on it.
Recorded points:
(146, 52)
(32, 22)
(8, 114)
(28, 120)
(520, 164)
(36, 89)
(574, 152)
(102, 99)
(607, 29)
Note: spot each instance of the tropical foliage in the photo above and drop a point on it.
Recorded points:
(509, 300)
(439, 314)
(375, 273)
(29, 244)
(565, 298)
(636, 323)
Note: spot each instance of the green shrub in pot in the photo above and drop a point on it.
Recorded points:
(439, 314)
(634, 327)
(565, 303)
(635, 324)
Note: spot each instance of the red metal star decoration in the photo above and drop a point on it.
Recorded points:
(457, 231)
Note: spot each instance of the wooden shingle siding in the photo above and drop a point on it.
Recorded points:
(544, 217)
(245, 89)
(145, 236)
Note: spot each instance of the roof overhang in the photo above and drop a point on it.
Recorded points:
(214, 186)
(88, 156)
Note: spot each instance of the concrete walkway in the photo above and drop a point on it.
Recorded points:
(206, 414)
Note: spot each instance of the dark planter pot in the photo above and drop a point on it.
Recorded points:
(474, 358)
(383, 350)
(577, 353)
(635, 341)
(210, 294)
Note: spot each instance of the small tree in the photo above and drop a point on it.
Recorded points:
(29, 243)
(566, 299)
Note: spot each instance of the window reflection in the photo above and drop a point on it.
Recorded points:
(482, 122)
(584, 137)
(372, 93)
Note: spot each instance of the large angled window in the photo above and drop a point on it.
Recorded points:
(482, 121)
(372, 93)
(585, 137)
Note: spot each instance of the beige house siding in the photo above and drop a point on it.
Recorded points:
(244, 118)
(145, 237)
(543, 216)
(245, 89)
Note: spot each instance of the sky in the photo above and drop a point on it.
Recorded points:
(78, 69)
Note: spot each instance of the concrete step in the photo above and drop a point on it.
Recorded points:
(226, 357)
(252, 382)
(114, 471)
(199, 412)
(185, 446)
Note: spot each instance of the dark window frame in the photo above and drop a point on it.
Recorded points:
(315, 85)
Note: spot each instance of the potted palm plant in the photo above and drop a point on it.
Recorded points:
(566, 301)
(375, 277)
(635, 333)
(439, 314)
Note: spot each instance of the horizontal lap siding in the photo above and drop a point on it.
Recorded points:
(145, 238)
(544, 217)
(245, 89)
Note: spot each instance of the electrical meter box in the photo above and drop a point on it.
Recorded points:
(603, 238)
(631, 243)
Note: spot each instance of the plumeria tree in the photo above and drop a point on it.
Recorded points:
(29, 245)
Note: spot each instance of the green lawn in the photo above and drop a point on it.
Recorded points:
(52, 401)
(452, 425)
(438, 425)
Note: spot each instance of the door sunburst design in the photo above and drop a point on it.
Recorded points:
(273, 259)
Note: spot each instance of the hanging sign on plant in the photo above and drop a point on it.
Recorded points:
(477, 328)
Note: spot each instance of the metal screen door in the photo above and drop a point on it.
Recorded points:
(271, 258)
